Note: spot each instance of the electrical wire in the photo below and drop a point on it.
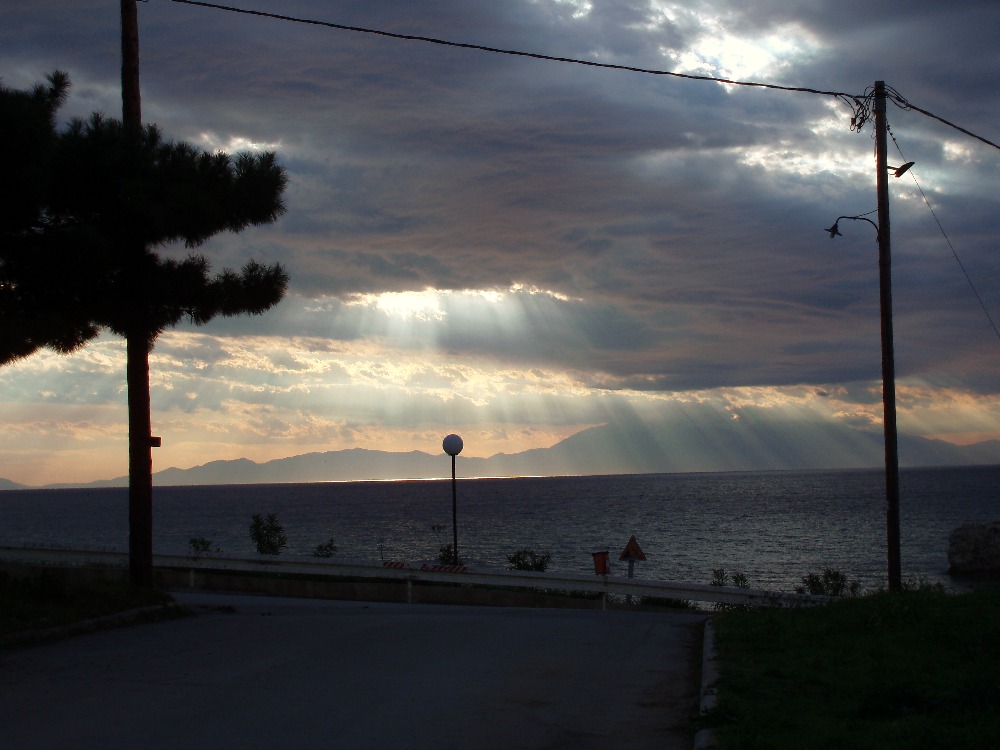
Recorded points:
(947, 239)
(850, 100)
(896, 98)
(860, 105)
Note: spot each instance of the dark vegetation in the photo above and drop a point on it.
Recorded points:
(447, 556)
(268, 534)
(326, 549)
(80, 244)
(528, 559)
(199, 545)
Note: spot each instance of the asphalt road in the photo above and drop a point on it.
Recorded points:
(262, 672)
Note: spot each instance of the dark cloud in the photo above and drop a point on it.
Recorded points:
(678, 224)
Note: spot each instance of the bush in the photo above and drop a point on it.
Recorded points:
(446, 556)
(528, 559)
(267, 534)
(829, 583)
(721, 577)
(326, 549)
(199, 545)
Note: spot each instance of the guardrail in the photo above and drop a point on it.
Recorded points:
(574, 583)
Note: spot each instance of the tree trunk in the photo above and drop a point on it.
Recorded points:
(140, 462)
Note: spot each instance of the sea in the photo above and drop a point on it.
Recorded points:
(774, 527)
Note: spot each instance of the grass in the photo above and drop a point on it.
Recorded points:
(30, 607)
(917, 669)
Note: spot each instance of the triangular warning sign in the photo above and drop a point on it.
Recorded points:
(632, 551)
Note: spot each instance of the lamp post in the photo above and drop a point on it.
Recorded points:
(453, 445)
(888, 356)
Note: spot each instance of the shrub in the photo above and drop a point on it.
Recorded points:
(326, 549)
(528, 559)
(721, 577)
(829, 583)
(446, 556)
(199, 545)
(267, 534)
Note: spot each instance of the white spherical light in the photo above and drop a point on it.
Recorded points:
(452, 445)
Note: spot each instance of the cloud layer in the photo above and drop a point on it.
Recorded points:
(515, 248)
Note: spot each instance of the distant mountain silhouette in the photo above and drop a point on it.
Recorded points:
(631, 448)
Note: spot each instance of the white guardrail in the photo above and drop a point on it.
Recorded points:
(575, 583)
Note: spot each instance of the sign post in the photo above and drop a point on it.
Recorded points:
(632, 553)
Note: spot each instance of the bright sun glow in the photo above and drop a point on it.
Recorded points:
(425, 305)
(235, 143)
(433, 304)
(718, 51)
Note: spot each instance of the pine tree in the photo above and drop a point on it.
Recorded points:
(109, 200)
(37, 307)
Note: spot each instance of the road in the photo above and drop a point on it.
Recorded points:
(264, 672)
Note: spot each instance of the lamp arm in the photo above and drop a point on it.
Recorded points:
(860, 218)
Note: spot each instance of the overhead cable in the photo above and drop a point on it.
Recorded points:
(859, 104)
(947, 239)
(849, 99)
(896, 98)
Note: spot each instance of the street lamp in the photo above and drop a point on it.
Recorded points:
(835, 229)
(453, 445)
(888, 356)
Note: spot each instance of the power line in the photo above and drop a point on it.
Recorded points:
(903, 104)
(861, 105)
(851, 100)
(947, 239)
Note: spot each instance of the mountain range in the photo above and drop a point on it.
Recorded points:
(635, 448)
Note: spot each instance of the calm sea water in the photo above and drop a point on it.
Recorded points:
(773, 526)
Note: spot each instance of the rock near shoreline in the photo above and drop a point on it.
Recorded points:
(974, 550)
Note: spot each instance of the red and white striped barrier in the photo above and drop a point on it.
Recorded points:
(445, 568)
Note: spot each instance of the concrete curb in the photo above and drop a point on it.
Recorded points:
(704, 739)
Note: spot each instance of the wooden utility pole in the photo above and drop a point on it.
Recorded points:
(888, 357)
(131, 102)
(140, 443)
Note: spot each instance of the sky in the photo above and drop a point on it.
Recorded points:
(517, 249)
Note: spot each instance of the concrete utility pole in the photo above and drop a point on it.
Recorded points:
(888, 357)
(140, 455)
